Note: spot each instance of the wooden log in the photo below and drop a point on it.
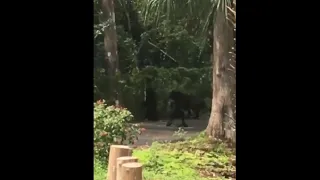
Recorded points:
(115, 152)
(121, 161)
(131, 171)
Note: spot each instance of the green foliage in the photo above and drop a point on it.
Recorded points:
(164, 44)
(196, 158)
(112, 126)
(181, 133)
(195, 81)
(175, 42)
(100, 170)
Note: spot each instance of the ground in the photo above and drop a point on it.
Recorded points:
(184, 154)
(157, 131)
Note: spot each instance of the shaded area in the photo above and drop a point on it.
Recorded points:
(151, 105)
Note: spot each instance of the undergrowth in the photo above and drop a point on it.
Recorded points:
(193, 159)
(100, 170)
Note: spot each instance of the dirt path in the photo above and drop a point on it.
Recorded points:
(157, 131)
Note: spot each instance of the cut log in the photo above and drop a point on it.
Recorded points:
(116, 151)
(121, 161)
(131, 171)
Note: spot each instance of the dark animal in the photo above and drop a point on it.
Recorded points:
(180, 102)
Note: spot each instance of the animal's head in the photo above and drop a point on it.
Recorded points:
(174, 95)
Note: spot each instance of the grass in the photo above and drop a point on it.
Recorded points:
(194, 159)
(100, 170)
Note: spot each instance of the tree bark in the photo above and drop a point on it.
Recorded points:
(221, 110)
(110, 48)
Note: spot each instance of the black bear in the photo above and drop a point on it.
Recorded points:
(180, 102)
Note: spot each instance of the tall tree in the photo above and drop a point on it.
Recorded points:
(110, 48)
(222, 110)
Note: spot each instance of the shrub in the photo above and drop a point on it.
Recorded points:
(111, 126)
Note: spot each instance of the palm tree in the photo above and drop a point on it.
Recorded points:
(222, 13)
(222, 111)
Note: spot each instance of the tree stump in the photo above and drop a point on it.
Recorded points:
(121, 161)
(115, 152)
(131, 171)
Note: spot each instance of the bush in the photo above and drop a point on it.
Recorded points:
(111, 126)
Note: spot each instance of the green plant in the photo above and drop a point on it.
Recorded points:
(112, 126)
(100, 170)
(197, 158)
(181, 133)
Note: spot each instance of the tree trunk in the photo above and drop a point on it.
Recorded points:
(131, 171)
(122, 160)
(222, 109)
(116, 151)
(110, 48)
